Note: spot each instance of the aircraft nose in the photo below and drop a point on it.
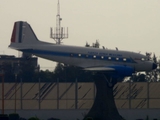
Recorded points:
(154, 66)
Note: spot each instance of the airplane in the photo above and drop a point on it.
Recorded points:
(116, 64)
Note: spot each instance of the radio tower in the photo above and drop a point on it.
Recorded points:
(59, 32)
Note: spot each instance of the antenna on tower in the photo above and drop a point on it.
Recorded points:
(59, 32)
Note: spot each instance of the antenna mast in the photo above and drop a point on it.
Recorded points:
(59, 32)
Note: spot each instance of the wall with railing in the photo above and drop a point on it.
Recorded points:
(77, 95)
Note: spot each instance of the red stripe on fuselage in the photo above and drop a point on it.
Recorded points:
(13, 38)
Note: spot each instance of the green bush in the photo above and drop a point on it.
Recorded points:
(33, 118)
(4, 117)
(89, 118)
(53, 119)
(14, 116)
(147, 117)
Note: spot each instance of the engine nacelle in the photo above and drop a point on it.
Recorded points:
(122, 71)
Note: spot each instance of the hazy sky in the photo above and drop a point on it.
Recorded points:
(132, 25)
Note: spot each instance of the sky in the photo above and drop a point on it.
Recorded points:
(132, 25)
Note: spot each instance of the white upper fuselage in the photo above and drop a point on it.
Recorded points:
(89, 57)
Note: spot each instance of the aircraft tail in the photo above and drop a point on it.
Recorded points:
(22, 36)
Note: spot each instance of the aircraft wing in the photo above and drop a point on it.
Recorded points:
(100, 69)
(120, 70)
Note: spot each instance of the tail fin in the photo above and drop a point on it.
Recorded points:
(22, 34)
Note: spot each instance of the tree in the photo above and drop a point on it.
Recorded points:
(7, 69)
(25, 70)
(152, 76)
(95, 45)
(138, 77)
(69, 73)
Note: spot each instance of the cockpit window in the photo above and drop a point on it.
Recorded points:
(143, 59)
(146, 59)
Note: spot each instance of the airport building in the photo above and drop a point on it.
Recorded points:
(11, 59)
(14, 63)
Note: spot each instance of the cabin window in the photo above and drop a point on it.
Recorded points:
(86, 56)
(79, 55)
(117, 58)
(102, 57)
(71, 55)
(124, 59)
(109, 58)
(94, 56)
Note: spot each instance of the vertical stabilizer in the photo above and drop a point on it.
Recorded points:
(23, 33)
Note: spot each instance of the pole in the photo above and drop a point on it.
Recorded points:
(15, 93)
(76, 94)
(130, 95)
(57, 93)
(148, 97)
(39, 98)
(21, 94)
(2, 93)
